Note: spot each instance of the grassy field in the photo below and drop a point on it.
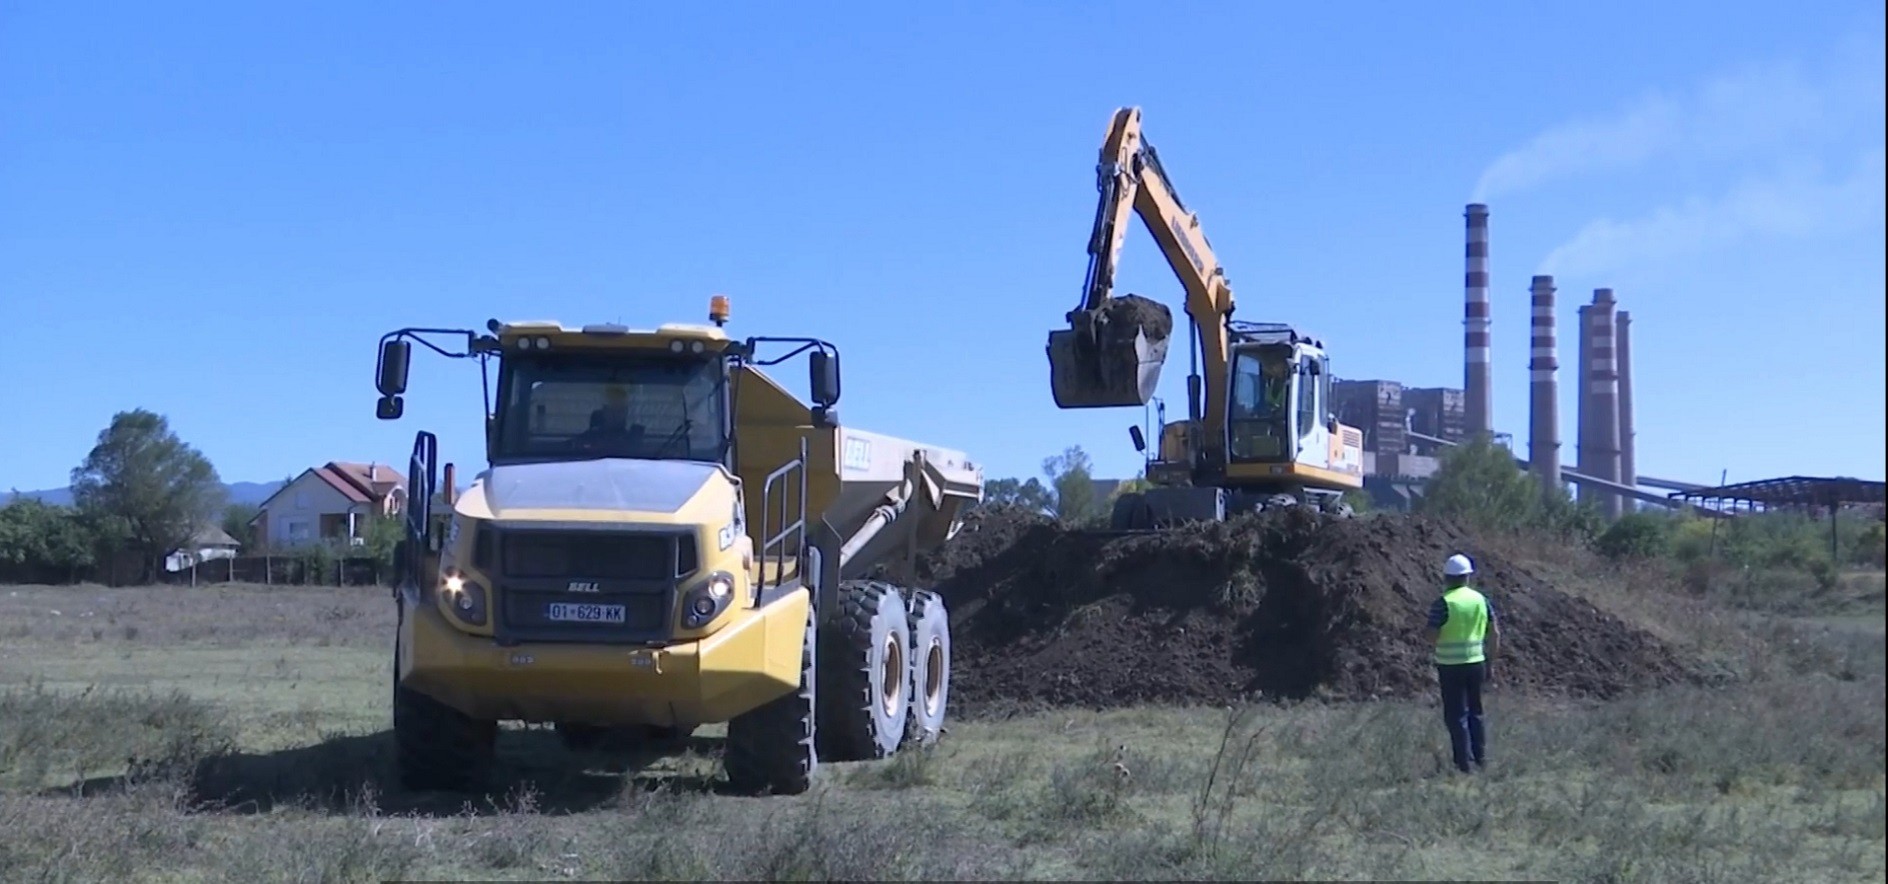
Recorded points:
(240, 734)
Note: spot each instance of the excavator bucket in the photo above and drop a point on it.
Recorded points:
(1111, 355)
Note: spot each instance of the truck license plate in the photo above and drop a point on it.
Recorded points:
(579, 613)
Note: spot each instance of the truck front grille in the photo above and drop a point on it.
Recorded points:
(589, 556)
(589, 586)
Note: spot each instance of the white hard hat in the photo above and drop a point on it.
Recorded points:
(1458, 566)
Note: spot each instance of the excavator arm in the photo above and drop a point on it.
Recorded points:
(1111, 353)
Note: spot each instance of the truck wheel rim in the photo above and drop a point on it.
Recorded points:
(933, 677)
(892, 678)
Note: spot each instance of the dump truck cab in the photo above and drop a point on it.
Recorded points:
(659, 532)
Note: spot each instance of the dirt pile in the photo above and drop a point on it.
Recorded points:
(1127, 314)
(1289, 603)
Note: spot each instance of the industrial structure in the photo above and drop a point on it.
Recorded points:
(1543, 426)
(1404, 427)
(1599, 401)
(1477, 376)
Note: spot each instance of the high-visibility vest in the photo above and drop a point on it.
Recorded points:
(1460, 640)
(1275, 392)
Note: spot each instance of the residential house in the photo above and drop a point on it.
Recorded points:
(209, 543)
(332, 502)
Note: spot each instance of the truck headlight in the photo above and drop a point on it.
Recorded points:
(701, 605)
(464, 596)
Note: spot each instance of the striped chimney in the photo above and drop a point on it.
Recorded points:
(1543, 390)
(1622, 346)
(1599, 451)
(1477, 385)
(1583, 401)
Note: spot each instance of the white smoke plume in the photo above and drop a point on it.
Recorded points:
(1791, 205)
(1748, 111)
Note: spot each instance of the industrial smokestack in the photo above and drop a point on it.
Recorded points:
(1478, 389)
(1599, 408)
(1583, 399)
(1543, 448)
(1622, 344)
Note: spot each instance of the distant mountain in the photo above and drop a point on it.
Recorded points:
(239, 492)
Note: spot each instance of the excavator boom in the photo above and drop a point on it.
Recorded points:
(1112, 352)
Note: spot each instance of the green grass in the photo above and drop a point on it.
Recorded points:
(241, 734)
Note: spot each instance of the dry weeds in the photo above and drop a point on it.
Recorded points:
(1776, 773)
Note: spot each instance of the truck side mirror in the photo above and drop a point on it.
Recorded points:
(1140, 441)
(390, 374)
(390, 377)
(824, 370)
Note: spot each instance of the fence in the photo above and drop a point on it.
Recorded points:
(284, 571)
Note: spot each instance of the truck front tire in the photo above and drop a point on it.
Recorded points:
(435, 746)
(866, 673)
(770, 749)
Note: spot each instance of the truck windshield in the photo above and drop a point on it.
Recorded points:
(610, 405)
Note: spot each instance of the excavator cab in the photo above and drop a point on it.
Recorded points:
(1110, 355)
(1259, 407)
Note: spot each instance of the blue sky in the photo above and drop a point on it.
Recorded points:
(213, 211)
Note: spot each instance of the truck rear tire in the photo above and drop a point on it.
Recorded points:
(770, 749)
(436, 747)
(930, 667)
(864, 654)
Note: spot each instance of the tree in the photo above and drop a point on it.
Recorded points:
(1479, 484)
(148, 488)
(1072, 478)
(1030, 494)
(43, 543)
(381, 534)
(238, 521)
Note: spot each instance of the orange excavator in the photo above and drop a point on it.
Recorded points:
(1260, 428)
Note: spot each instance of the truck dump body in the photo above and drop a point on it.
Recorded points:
(886, 498)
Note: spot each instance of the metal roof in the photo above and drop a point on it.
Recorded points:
(1794, 491)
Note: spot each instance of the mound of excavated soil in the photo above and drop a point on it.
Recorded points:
(1130, 313)
(1289, 603)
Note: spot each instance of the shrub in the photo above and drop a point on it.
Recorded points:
(1637, 536)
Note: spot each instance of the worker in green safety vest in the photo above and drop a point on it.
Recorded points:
(1277, 386)
(1463, 628)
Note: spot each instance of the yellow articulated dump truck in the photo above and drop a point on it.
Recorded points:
(665, 537)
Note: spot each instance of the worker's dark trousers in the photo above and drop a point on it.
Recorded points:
(1462, 711)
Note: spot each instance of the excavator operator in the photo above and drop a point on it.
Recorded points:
(1277, 386)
